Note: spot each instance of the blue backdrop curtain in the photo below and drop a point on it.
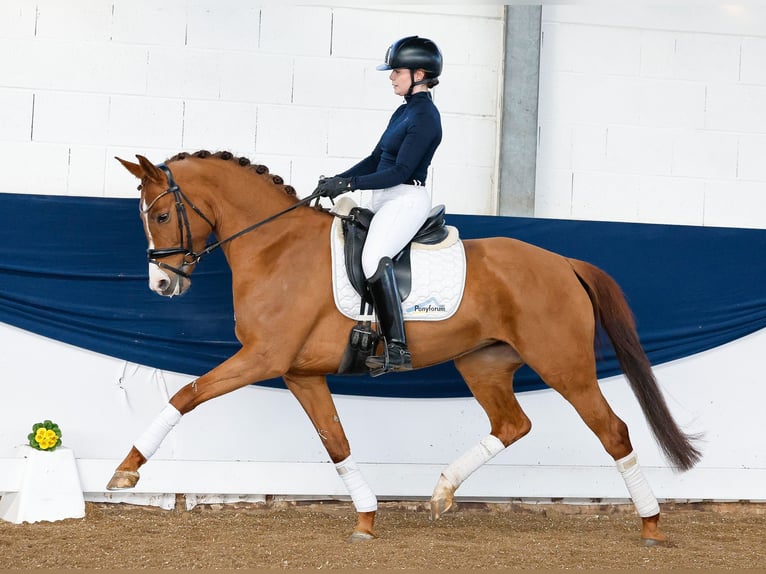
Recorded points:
(74, 269)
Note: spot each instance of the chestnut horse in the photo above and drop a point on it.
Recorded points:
(521, 305)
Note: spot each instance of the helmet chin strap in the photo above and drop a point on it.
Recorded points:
(413, 83)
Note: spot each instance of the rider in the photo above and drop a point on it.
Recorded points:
(395, 171)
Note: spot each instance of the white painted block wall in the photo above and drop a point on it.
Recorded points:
(647, 113)
(653, 113)
(293, 87)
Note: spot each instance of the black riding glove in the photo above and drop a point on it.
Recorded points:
(332, 187)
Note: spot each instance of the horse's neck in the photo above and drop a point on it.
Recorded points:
(285, 255)
(298, 228)
(237, 211)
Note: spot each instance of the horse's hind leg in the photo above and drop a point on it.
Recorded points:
(572, 372)
(488, 373)
(561, 353)
(592, 407)
(315, 398)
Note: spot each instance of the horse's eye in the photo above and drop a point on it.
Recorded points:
(163, 217)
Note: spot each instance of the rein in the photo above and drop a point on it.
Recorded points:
(184, 229)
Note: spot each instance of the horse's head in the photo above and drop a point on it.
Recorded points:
(175, 228)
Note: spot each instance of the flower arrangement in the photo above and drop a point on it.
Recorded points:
(45, 435)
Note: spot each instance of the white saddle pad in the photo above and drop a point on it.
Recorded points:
(438, 275)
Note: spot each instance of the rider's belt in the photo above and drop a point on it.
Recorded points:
(412, 182)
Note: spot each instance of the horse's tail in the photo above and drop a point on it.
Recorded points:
(615, 317)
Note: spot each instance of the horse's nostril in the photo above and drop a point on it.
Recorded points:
(163, 284)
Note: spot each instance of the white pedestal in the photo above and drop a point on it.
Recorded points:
(49, 488)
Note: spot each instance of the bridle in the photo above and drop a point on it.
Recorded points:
(185, 248)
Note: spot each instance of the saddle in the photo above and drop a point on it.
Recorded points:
(363, 340)
(355, 227)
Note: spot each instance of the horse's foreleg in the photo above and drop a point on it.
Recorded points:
(488, 373)
(126, 475)
(315, 398)
(232, 374)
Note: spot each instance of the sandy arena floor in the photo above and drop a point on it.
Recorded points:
(313, 536)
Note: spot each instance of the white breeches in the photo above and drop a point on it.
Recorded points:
(399, 212)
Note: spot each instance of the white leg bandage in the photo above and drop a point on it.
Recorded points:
(361, 494)
(639, 489)
(148, 443)
(472, 459)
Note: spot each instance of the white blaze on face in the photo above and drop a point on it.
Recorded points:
(156, 275)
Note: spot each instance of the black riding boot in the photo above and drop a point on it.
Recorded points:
(388, 309)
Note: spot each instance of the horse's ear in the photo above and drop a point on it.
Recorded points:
(143, 169)
(150, 170)
(133, 168)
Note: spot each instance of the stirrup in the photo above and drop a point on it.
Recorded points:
(383, 363)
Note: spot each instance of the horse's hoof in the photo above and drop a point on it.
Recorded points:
(360, 537)
(653, 542)
(122, 479)
(439, 507)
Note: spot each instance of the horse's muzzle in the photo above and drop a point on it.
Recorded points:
(168, 284)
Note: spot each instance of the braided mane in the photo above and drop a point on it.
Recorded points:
(260, 169)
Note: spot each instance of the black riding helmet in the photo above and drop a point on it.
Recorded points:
(415, 53)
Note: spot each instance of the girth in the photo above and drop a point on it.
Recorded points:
(355, 227)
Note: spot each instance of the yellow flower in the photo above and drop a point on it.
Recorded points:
(46, 438)
(45, 435)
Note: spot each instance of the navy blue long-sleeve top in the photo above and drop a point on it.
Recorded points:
(405, 149)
